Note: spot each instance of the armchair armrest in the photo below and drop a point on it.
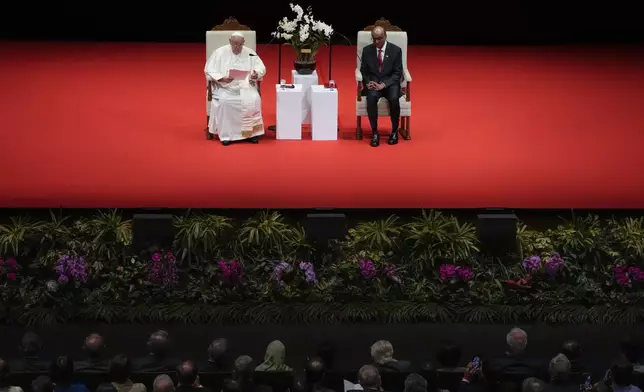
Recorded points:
(359, 80)
(407, 75)
(407, 88)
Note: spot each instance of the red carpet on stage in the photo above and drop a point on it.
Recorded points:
(121, 125)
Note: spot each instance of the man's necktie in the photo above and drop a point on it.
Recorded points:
(379, 60)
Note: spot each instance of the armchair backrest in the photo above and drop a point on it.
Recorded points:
(394, 35)
(220, 34)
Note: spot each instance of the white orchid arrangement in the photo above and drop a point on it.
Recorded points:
(304, 32)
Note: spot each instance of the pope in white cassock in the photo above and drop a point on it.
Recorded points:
(236, 107)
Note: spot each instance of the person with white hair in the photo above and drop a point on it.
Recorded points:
(559, 369)
(236, 107)
(517, 340)
(515, 364)
(382, 353)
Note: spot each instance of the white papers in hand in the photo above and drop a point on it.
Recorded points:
(349, 386)
(237, 74)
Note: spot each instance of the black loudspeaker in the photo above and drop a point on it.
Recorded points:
(322, 227)
(497, 232)
(152, 231)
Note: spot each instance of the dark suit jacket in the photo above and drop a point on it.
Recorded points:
(154, 364)
(392, 66)
(516, 368)
(93, 365)
(29, 364)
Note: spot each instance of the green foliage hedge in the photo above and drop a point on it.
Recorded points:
(262, 270)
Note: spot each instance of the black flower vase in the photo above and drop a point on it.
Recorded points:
(305, 62)
(304, 67)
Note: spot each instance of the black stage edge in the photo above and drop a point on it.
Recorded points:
(536, 218)
(415, 342)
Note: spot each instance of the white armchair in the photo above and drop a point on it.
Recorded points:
(218, 37)
(399, 38)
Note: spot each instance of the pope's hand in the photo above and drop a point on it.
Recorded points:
(254, 76)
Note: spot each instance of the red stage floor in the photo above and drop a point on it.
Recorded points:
(120, 125)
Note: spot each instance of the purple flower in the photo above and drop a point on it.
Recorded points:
(278, 272)
(367, 269)
(163, 270)
(554, 264)
(532, 263)
(447, 271)
(391, 272)
(75, 268)
(464, 273)
(309, 272)
(62, 279)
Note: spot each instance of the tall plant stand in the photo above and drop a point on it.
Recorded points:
(273, 128)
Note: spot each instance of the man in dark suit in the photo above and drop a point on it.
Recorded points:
(95, 362)
(382, 70)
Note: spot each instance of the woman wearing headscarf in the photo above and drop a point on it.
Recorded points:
(274, 358)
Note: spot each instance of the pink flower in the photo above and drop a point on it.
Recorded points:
(636, 273)
(225, 270)
(170, 257)
(12, 276)
(464, 273)
(447, 271)
(156, 257)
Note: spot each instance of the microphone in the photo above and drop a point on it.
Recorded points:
(349, 41)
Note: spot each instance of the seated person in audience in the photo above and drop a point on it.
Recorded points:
(572, 350)
(42, 384)
(515, 366)
(326, 351)
(157, 360)
(620, 377)
(448, 358)
(188, 377)
(231, 385)
(473, 379)
(62, 374)
(95, 363)
(31, 361)
(106, 387)
(448, 372)
(274, 358)
(299, 383)
(382, 353)
(560, 375)
(217, 357)
(5, 373)
(163, 383)
(315, 376)
(236, 107)
(369, 379)
(533, 384)
(244, 374)
(120, 370)
(415, 383)
(632, 351)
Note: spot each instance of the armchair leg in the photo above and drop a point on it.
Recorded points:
(407, 134)
(359, 128)
(208, 134)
